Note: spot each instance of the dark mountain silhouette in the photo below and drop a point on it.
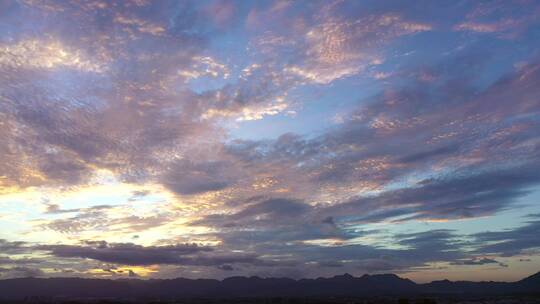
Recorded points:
(528, 285)
(532, 280)
(343, 285)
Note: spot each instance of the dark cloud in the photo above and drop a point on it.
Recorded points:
(269, 211)
(456, 196)
(414, 249)
(137, 195)
(460, 136)
(275, 208)
(126, 254)
(98, 218)
(8, 247)
(510, 242)
(421, 156)
(474, 262)
(6, 260)
(272, 222)
(226, 267)
(330, 264)
(52, 208)
(186, 177)
(20, 271)
(329, 220)
(438, 245)
(132, 254)
(71, 129)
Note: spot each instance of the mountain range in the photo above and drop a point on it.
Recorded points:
(342, 285)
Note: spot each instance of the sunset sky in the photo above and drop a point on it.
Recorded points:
(209, 139)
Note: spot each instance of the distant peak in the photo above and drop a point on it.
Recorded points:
(533, 278)
(383, 276)
(386, 275)
(344, 276)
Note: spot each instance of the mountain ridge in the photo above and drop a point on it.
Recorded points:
(341, 285)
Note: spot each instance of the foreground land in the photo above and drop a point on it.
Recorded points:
(512, 299)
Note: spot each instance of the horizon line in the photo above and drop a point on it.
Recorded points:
(346, 274)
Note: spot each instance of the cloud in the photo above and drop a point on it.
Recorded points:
(103, 218)
(268, 214)
(16, 247)
(330, 264)
(6, 260)
(226, 267)
(126, 253)
(7, 273)
(52, 208)
(137, 255)
(75, 88)
(510, 242)
(186, 177)
(46, 55)
(339, 48)
(273, 208)
(474, 262)
(472, 174)
(140, 25)
(433, 244)
(455, 197)
(426, 155)
(465, 174)
(482, 19)
(205, 66)
(333, 45)
(139, 194)
(221, 12)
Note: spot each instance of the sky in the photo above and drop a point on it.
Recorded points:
(302, 139)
